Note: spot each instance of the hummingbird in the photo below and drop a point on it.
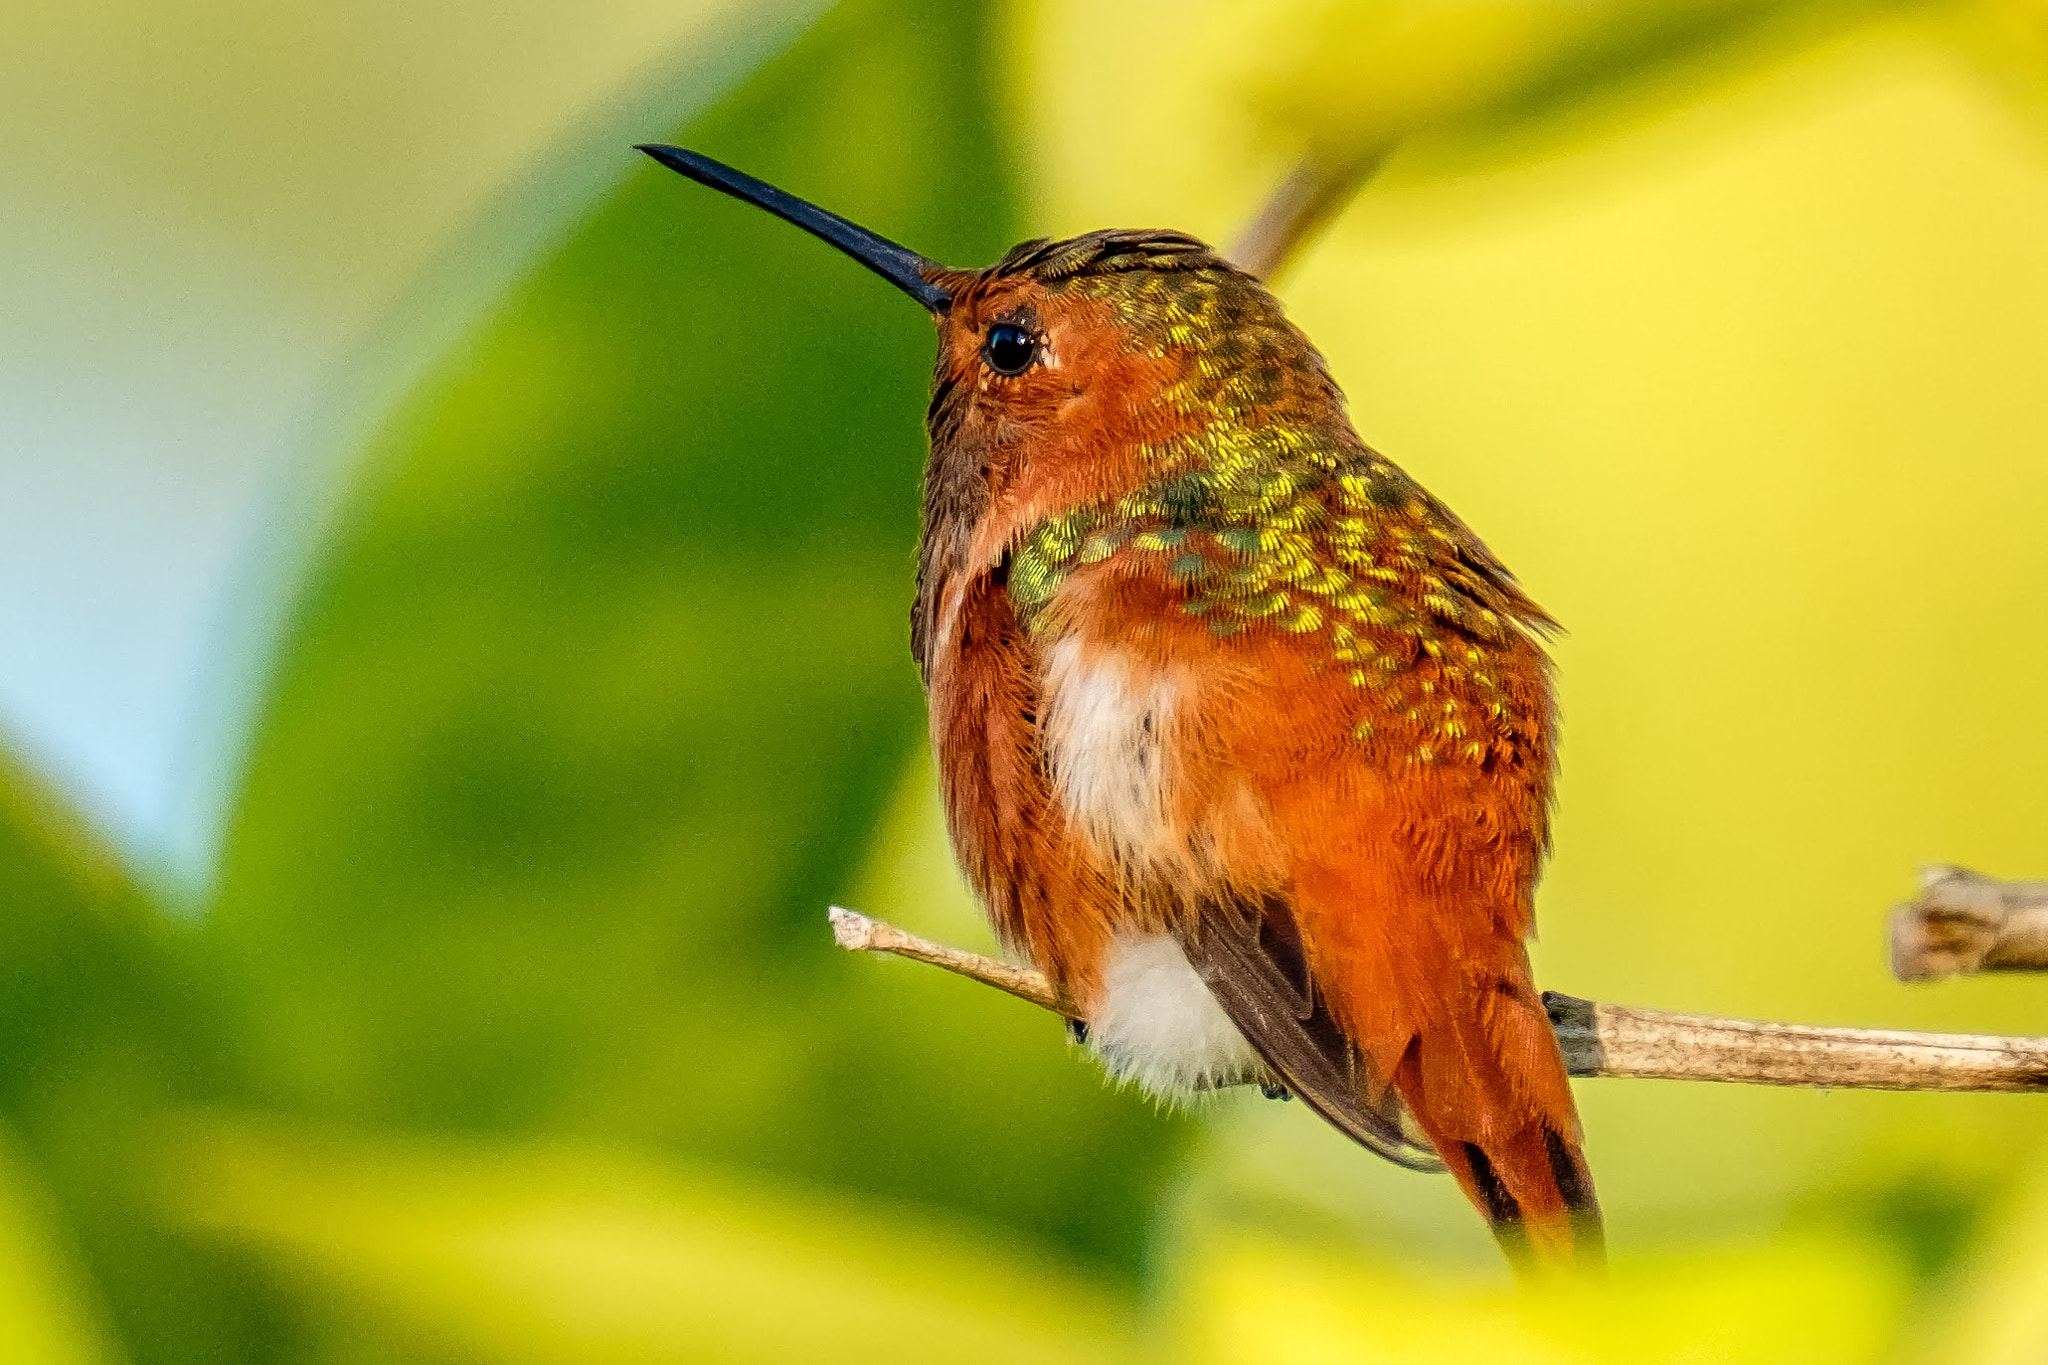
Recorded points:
(1247, 742)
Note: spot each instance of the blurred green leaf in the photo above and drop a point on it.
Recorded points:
(98, 1033)
(556, 1256)
(596, 697)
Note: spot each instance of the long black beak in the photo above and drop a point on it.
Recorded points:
(898, 265)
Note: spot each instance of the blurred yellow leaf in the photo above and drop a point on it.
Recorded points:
(1250, 1302)
(1349, 77)
(2009, 39)
(542, 1256)
(1216, 99)
(1346, 77)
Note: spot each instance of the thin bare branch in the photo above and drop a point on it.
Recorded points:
(1967, 922)
(857, 933)
(1310, 196)
(1619, 1040)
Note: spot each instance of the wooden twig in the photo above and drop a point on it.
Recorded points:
(857, 933)
(1305, 201)
(1967, 922)
(1619, 1040)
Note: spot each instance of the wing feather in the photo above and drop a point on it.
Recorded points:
(1252, 960)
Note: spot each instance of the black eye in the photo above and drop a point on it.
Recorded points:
(1009, 348)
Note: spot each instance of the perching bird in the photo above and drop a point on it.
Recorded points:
(1246, 740)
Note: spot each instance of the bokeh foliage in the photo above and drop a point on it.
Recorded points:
(100, 1034)
(1482, 77)
(512, 1032)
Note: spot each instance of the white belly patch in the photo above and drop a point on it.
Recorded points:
(1105, 732)
(1159, 1027)
(1109, 743)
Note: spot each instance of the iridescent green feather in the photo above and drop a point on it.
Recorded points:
(1271, 521)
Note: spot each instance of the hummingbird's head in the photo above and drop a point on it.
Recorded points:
(1077, 369)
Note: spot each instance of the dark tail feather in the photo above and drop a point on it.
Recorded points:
(1503, 1121)
(1537, 1197)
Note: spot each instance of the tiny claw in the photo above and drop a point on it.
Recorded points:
(1077, 1032)
(1276, 1092)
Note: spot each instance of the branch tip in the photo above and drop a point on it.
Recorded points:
(1965, 922)
(851, 929)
